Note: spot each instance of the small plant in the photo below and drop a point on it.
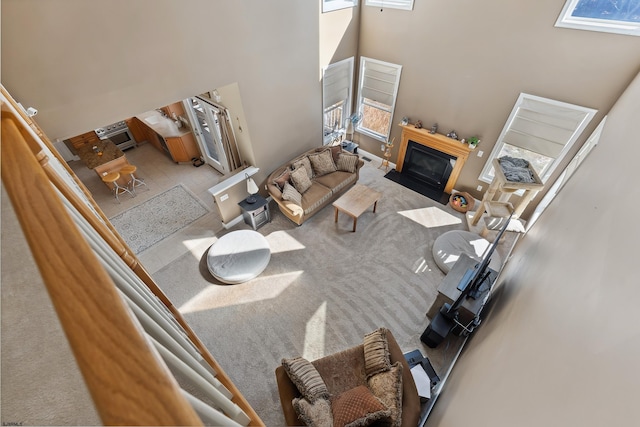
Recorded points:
(473, 141)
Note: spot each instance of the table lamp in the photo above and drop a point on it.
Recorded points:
(252, 189)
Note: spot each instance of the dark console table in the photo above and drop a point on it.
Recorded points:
(255, 214)
(448, 291)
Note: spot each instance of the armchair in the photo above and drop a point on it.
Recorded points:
(345, 370)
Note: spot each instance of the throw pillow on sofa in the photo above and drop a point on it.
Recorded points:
(282, 178)
(316, 414)
(322, 163)
(306, 378)
(300, 179)
(387, 386)
(305, 163)
(335, 151)
(347, 162)
(358, 407)
(376, 352)
(290, 193)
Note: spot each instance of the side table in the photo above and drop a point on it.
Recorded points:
(350, 146)
(255, 214)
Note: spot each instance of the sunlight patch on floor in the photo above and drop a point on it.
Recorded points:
(421, 265)
(431, 217)
(281, 241)
(216, 296)
(315, 334)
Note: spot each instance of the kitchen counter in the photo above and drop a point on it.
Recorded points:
(161, 125)
(92, 160)
(111, 160)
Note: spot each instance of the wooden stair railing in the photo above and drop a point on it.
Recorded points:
(131, 386)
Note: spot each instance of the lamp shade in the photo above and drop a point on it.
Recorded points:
(252, 188)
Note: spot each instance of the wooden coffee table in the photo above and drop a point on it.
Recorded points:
(355, 201)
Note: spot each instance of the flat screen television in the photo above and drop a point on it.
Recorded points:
(474, 284)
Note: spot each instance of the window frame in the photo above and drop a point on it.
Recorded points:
(331, 5)
(391, 4)
(589, 113)
(566, 20)
(345, 103)
(360, 99)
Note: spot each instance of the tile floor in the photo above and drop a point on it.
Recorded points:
(160, 173)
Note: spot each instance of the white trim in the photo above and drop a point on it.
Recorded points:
(368, 74)
(331, 5)
(566, 20)
(391, 4)
(586, 115)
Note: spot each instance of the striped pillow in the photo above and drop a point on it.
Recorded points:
(376, 352)
(306, 378)
(290, 193)
(347, 162)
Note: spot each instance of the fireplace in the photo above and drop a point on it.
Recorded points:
(429, 163)
(431, 167)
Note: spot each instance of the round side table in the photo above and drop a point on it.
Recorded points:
(238, 256)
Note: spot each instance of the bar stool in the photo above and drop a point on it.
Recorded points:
(112, 179)
(133, 180)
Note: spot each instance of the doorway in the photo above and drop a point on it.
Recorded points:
(206, 128)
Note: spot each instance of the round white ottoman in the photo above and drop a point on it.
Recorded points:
(238, 256)
(448, 246)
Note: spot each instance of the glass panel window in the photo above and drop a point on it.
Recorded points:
(377, 91)
(337, 87)
(391, 4)
(331, 5)
(541, 131)
(376, 117)
(611, 16)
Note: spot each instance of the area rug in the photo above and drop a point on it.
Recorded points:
(151, 221)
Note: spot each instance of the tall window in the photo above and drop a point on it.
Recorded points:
(377, 91)
(330, 5)
(391, 4)
(337, 87)
(541, 131)
(611, 16)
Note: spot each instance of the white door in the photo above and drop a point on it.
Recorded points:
(206, 128)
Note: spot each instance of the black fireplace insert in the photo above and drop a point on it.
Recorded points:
(430, 166)
(426, 171)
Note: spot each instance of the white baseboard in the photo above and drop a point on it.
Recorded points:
(374, 158)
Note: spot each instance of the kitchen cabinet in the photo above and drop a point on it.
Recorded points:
(88, 138)
(176, 108)
(138, 130)
(166, 136)
(182, 148)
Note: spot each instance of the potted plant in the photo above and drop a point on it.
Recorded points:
(473, 142)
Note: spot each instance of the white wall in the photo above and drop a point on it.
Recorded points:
(465, 62)
(561, 344)
(84, 64)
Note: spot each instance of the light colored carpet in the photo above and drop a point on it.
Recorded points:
(323, 290)
(153, 220)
